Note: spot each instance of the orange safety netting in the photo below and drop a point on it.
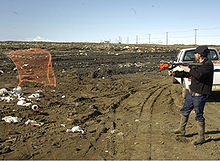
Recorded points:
(34, 65)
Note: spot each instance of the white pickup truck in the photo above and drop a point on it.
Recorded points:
(187, 56)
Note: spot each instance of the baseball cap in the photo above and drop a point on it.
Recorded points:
(202, 50)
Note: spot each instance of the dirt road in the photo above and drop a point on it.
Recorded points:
(126, 113)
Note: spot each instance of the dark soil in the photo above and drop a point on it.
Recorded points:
(116, 94)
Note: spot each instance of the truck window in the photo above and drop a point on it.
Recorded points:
(189, 55)
(213, 55)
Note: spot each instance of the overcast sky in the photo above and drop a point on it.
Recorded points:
(128, 21)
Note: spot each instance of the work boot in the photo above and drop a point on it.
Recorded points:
(201, 132)
(182, 128)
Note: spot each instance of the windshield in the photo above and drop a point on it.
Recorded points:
(178, 56)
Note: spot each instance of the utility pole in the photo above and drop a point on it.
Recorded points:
(166, 38)
(149, 38)
(119, 39)
(136, 39)
(196, 36)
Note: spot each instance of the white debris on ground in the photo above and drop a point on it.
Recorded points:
(10, 119)
(3, 91)
(16, 93)
(75, 129)
(8, 96)
(34, 107)
(22, 102)
(34, 123)
(6, 99)
(138, 65)
(36, 95)
(1, 72)
(3, 97)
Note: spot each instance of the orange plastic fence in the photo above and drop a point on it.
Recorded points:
(34, 65)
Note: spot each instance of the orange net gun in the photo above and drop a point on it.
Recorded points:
(170, 64)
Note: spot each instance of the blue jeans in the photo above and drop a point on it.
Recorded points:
(194, 102)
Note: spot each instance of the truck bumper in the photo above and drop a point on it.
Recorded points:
(216, 87)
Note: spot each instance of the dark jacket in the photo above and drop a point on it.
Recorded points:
(202, 77)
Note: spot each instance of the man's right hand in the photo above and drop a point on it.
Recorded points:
(170, 72)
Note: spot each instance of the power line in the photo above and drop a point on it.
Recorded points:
(209, 36)
(172, 36)
(182, 31)
(177, 37)
(212, 28)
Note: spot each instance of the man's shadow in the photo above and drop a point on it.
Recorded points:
(207, 140)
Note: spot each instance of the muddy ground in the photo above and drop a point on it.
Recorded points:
(116, 94)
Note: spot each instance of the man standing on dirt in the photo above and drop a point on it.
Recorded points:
(201, 87)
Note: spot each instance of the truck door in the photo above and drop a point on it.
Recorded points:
(216, 78)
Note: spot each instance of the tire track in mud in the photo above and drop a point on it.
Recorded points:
(158, 93)
(114, 106)
(144, 107)
(150, 94)
(146, 115)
